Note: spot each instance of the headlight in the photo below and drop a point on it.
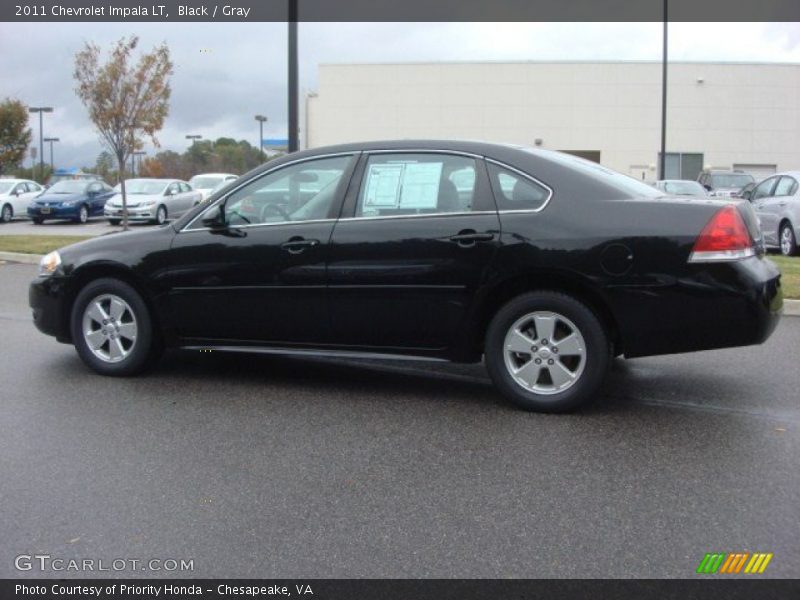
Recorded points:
(49, 263)
(148, 203)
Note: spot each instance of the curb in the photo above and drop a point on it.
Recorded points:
(791, 308)
(21, 257)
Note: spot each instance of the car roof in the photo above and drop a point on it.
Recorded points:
(214, 175)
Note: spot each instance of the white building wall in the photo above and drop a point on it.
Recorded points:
(739, 114)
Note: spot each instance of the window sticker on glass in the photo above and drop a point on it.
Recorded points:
(383, 186)
(420, 189)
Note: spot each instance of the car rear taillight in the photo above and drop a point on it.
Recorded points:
(724, 238)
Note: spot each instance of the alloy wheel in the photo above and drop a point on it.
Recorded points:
(6, 216)
(544, 352)
(109, 328)
(787, 240)
(83, 214)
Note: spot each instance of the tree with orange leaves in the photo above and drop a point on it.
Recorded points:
(125, 101)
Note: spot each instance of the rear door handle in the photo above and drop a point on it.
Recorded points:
(296, 245)
(469, 238)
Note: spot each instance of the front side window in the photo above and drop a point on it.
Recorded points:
(301, 192)
(416, 184)
(764, 189)
(786, 187)
(516, 192)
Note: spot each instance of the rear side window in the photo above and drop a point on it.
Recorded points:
(514, 191)
(416, 184)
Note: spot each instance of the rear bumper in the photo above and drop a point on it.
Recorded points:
(713, 306)
(47, 299)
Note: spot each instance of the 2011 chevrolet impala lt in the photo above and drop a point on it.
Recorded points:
(544, 264)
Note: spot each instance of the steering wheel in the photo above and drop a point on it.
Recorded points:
(275, 208)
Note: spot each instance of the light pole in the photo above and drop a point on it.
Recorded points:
(663, 159)
(51, 140)
(40, 110)
(194, 137)
(261, 120)
(294, 124)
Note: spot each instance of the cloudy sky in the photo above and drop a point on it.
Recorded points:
(227, 73)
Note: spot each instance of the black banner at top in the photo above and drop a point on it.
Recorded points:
(398, 10)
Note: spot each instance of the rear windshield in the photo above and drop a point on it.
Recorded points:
(684, 188)
(627, 186)
(730, 180)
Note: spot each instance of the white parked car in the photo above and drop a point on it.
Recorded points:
(15, 195)
(153, 200)
(208, 183)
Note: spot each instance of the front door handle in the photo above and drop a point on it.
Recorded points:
(468, 238)
(296, 245)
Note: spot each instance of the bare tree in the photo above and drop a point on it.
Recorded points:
(126, 102)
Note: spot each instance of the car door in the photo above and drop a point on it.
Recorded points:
(261, 278)
(96, 198)
(415, 241)
(187, 197)
(20, 197)
(172, 199)
(762, 200)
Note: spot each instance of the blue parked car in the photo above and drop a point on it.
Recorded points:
(71, 199)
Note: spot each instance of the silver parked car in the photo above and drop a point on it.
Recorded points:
(681, 187)
(777, 203)
(153, 200)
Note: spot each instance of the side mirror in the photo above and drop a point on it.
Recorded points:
(214, 217)
(748, 195)
(708, 187)
(169, 193)
(17, 192)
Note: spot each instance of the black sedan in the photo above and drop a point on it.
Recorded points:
(543, 264)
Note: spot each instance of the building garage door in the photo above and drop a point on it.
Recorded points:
(758, 171)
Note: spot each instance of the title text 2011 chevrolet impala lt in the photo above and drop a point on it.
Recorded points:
(544, 264)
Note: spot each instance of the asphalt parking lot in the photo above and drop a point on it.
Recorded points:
(271, 467)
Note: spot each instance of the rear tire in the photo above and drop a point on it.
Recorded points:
(6, 214)
(112, 329)
(787, 239)
(567, 339)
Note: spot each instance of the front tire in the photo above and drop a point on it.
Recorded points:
(112, 329)
(6, 214)
(114, 222)
(161, 215)
(547, 351)
(788, 241)
(37, 220)
(83, 214)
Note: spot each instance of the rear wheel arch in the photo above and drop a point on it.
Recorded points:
(505, 291)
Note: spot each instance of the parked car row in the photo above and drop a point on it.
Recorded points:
(81, 198)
